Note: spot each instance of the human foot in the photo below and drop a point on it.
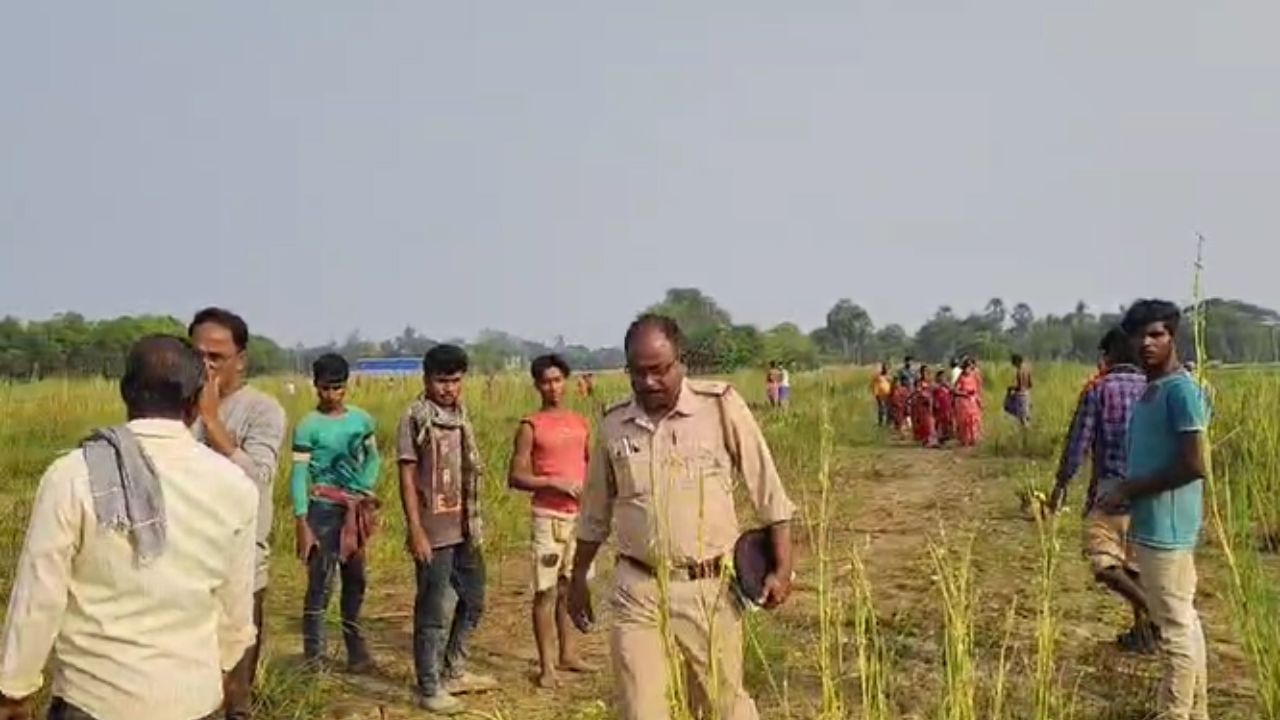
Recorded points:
(548, 680)
(576, 665)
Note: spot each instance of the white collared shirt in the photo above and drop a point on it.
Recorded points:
(134, 642)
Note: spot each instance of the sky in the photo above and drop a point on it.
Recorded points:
(551, 168)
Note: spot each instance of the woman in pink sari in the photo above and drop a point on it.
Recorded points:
(968, 406)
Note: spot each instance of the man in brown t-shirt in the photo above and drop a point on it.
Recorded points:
(439, 488)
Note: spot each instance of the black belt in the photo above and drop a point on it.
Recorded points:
(704, 570)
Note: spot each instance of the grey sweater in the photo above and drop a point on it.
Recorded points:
(257, 423)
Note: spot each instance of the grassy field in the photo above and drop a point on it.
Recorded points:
(923, 590)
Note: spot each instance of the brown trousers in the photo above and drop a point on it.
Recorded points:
(704, 647)
(239, 683)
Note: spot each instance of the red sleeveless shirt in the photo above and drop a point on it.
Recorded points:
(560, 450)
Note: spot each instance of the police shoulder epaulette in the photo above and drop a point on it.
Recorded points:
(615, 407)
(717, 388)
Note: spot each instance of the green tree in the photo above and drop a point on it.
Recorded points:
(694, 311)
(786, 344)
(851, 326)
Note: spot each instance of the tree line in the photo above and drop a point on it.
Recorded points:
(1237, 332)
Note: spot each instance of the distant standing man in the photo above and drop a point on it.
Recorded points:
(248, 427)
(550, 462)
(882, 391)
(1018, 401)
(137, 569)
(440, 472)
(662, 475)
(1164, 489)
(907, 375)
(1100, 427)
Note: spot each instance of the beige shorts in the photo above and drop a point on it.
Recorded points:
(1106, 542)
(554, 542)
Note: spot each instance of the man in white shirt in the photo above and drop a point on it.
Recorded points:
(136, 575)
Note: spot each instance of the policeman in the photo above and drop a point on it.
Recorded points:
(662, 476)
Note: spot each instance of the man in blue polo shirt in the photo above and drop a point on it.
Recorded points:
(1164, 488)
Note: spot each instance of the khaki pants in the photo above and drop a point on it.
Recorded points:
(706, 641)
(554, 545)
(1106, 542)
(1169, 578)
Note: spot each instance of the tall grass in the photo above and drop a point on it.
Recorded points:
(850, 645)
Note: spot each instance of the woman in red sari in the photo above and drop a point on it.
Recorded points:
(968, 406)
(943, 417)
(922, 411)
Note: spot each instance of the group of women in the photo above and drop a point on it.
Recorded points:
(933, 410)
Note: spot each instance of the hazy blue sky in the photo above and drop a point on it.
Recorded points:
(551, 167)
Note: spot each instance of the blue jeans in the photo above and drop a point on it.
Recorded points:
(325, 521)
(440, 651)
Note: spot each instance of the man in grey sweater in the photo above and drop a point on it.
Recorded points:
(248, 427)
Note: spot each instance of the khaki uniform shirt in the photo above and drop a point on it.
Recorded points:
(671, 482)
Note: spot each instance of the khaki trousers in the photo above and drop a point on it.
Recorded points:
(1169, 578)
(704, 643)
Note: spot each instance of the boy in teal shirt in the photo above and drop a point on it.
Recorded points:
(335, 470)
(1164, 488)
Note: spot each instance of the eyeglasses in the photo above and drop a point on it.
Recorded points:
(659, 371)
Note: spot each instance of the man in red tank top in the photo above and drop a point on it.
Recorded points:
(550, 462)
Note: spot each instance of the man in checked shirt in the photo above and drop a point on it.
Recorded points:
(1100, 427)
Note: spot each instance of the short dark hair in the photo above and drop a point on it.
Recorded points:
(163, 377)
(1016, 359)
(445, 360)
(330, 369)
(908, 360)
(543, 363)
(1117, 346)
(663, 324)
(1144, 312)
(224, 318)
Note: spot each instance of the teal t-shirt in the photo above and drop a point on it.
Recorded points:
(1171, 406)
(335, 450)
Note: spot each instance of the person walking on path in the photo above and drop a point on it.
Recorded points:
(882, 391)
(1100, 427)
(550, 463)
(922, 425)
(137, 571)
(1164, 491)
(968, 405)
(440, 472)
(248, 427)
(943, 414)
(1018, 398)
(335, 475)
(661, 479)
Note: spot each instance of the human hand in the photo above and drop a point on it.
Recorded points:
(419, 545)
(777, 588)
(1113, 502)
(579, 602)
(210, 396)
(305, 540)
(567, 487)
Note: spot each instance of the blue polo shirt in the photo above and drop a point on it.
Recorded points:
(1170, 407)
